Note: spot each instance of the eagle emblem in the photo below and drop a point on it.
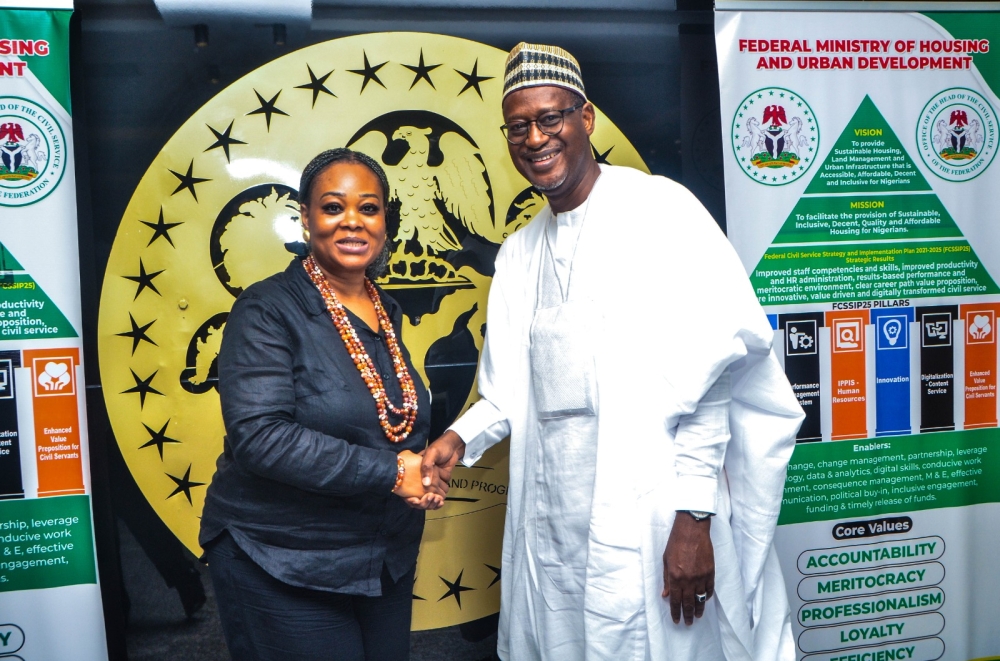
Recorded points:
(21, 158)
(958, 139)
(775, 136)
(441, 190)
(957, 134)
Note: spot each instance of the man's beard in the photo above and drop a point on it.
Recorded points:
(551, 187)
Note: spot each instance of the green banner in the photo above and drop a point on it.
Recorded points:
(896, 474)
(46, 543)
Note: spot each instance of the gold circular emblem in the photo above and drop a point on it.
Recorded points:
(217, 211)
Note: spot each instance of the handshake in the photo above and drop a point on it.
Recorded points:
(426, 475)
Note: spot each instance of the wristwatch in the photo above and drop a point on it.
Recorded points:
(699, 516)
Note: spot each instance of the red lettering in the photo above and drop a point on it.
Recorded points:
(38, 47)
(12, 69)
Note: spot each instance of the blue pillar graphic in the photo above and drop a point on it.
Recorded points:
(892, 371)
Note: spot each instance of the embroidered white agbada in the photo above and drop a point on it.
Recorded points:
(607, 441)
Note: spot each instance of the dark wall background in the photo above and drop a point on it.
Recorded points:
(651, 70)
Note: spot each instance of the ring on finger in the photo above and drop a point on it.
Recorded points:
(701, 598)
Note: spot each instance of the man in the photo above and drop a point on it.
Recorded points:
(628, 360)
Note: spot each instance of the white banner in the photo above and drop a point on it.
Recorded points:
(860, 187)
(50, 600)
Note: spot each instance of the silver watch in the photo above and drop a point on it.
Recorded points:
(699, 516)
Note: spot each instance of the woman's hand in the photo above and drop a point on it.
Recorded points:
(411, 486)
(412, 490)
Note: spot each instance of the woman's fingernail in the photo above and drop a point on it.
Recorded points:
(427, 481)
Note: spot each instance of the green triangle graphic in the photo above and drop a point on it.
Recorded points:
(867, 158)
(26, 312)
(866, 238)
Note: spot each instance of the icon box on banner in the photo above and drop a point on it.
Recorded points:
(800, 337)
(6, 378)
(979, 326)
(848, 335)
(936, 330)
(54, 376)
(892, 333)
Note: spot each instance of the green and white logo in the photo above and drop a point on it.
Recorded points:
(957, 134)
(775, 136)
(32, 152)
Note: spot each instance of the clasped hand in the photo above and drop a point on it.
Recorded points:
(427, 475)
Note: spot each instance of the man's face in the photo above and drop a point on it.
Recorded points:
(554, 164)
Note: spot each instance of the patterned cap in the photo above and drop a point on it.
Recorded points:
(532, 65)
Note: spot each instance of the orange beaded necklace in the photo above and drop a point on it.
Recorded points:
(398, 432)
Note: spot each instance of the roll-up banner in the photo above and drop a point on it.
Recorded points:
(50, 601)
(859, 144)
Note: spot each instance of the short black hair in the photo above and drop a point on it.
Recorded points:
(339, 155)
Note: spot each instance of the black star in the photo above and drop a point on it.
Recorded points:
(138, 333)
(160, 228)
(473, 79)
(143, 387)
(224, 139)
(455, 589)
(422, 71)
(369, 72)
(158, 438)
(316, 85)
(144, 280)
(184, 485)
(188, 181)
(267, 108)
(599, 157)
(496, 579)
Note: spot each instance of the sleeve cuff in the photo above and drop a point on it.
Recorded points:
(382, 471)
(696, 493)
(479, 444)
(480, 428)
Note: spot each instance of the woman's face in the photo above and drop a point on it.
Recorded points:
(345, 216)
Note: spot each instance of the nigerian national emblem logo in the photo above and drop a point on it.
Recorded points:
(957, 134)
(218, 210)
(775, 136)
(32, 152)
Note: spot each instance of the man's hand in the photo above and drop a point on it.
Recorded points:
(688, 567)
(440, 458)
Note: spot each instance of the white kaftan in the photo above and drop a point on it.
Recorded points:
(699, 417)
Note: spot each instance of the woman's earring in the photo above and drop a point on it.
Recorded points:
(305, 235)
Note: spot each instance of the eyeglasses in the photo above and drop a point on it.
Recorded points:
(550, 123)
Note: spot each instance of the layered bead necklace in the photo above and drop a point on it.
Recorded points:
(398, 432)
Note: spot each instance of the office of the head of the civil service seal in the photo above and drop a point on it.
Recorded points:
(32, 152)
(774, 136)
(957, 134)
(217, 210)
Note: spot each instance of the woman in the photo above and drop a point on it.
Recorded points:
(312, 521)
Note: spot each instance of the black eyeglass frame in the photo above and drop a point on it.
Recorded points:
(505, 129)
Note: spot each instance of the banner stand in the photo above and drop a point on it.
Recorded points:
(859, 142)
(49, 585)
